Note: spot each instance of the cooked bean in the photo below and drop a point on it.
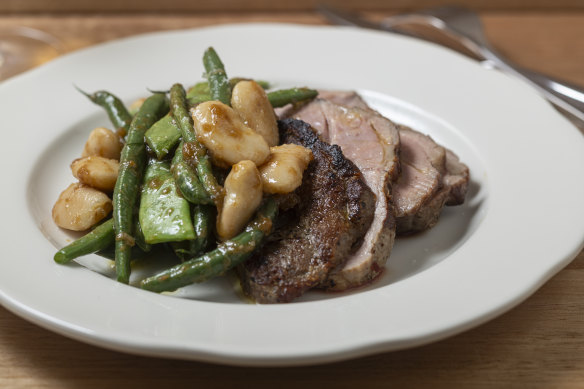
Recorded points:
(79, 207)
(126, 193)
(216, 76)
(97, 172)
(220, 129)
(103, 143)
(135, 106)
(282, 173)
(226, 256)
(243, 194)
(251, 103)
(114, 107)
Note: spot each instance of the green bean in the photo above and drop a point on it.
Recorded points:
(126, 191)
(280, 98)
(194, 153)
(203, 217)
(215, 263)
(200, 92)
(195, 99)
(218, 81)
(137, 252)
(186, 179)
(203, 222)
(163, 137)
(139, 236)
(201, 87)
(164, 215)
(97, 239)
(115, 108)
(140, 250)
(179, 111)
(134, 107)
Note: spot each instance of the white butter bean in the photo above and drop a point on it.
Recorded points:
(97, 172)
(79, 207)
(243, 194)
(103, 143)
(136, 105)
(250, 101)
(282, 172)
(220, 129)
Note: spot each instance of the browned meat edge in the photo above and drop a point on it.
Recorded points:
(335, 210)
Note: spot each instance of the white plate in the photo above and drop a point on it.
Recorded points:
(522, 223)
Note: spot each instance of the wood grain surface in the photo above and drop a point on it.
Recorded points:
(117, 6)
(538, 344)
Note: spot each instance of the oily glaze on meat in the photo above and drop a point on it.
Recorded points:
(335, 210)
(372, 143)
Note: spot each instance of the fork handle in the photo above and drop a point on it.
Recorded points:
(567, 90)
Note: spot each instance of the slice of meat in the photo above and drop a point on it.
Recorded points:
(345, 98)
(431, 175)
(418, 194)
(456, 179)
(335, 210)
(372, 143)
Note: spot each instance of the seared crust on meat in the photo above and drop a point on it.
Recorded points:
(336, 209)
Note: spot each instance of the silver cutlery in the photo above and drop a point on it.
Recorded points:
(465, 27)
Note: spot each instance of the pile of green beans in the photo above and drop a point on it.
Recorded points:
(194, 150)
(162, 184)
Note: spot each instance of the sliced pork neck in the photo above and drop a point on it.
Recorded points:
(418, 195)
(334, 211)
(456, 179)
(412, 176)
(372, 143)
(431, 177)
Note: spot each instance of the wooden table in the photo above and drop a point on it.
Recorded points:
(538, 344)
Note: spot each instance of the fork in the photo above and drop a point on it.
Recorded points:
(465, 27)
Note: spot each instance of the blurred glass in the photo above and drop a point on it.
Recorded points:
(23, 48)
